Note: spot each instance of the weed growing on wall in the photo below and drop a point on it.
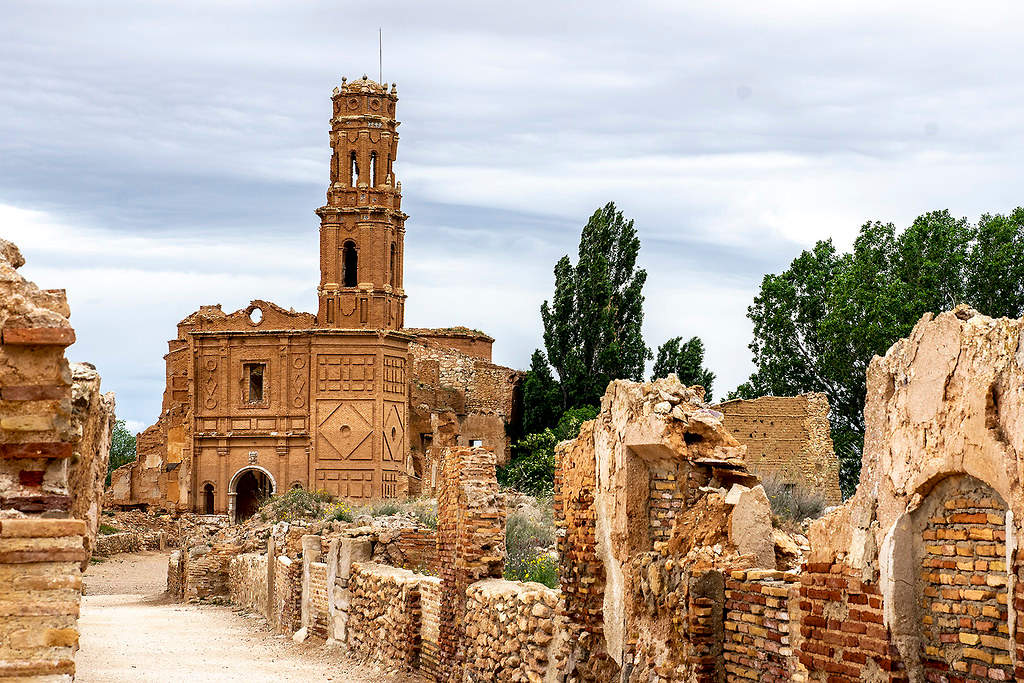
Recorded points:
(529, 543)
(792, 504)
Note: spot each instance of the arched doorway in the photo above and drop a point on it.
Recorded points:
(208, 501)
(249, 488)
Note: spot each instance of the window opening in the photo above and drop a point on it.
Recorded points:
(350, 258)
(254, 374)
(354, 170)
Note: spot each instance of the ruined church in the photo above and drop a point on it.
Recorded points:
(346, 400)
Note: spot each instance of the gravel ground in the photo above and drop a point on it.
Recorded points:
(131, 631)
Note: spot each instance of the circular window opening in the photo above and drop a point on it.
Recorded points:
(256, 316)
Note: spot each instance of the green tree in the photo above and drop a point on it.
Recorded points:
(532, 467)
(592, 323)
(686, 360)
(818, 323)
(122, 447)
(542, 397)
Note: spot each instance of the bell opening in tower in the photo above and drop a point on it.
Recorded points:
(350, 261)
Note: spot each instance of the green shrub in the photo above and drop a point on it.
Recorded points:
(792, 504)
(529, 534)
(295, 504)
(340, 512)
(122, 448)
(532, 468)
(106, 530)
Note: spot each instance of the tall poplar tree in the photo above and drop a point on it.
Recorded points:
(592, 323)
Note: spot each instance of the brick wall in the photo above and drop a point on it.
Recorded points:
(842, 631)
(318, 616)
(787, 437)
(470, 546)
(757, 645)
(430, 605)
(408, 548)
(964, 589)
(40, 591)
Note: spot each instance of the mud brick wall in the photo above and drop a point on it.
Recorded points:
(414, 549)
(511, 631)
(384, 615)
(287, 608)
(318, 615)
(40, 592)
(787, 437)
(430, 605)
(842, 631)
(758, 646)
(667, 498)
(247, 582)
(964, 590)
(471, 544)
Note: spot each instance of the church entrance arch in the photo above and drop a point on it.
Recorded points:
(249, 488)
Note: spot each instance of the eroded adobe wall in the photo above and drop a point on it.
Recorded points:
(644, 500)
(92, 414)
(787, 438)
(923, 558)
(41, 547)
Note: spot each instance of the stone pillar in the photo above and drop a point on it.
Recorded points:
(310, 553)
(340, 556)
(471, 544)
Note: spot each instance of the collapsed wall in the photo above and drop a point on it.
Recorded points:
(787, 439)
(41, 547)
(457, 397)
(670, 567)
(92, 414)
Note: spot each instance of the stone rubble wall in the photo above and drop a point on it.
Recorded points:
(247, 582)
(129, 542)
(512, 631)
(384, 615)
(92, 415)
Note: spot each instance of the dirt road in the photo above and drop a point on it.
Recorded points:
(130, 631)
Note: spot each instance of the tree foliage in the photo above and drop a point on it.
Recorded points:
(686, 360)
(532, 467)
(542, 398)
(818, 323)
(592, 323)
(122, 447)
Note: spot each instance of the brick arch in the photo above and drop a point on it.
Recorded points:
(947, 577)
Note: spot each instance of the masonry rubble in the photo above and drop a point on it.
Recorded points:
(54, 432)
(670, 568)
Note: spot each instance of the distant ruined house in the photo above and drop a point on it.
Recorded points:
(346, 400)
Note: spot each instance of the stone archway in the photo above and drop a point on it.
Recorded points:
(248, 488)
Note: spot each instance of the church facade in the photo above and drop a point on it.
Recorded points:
(265, 399)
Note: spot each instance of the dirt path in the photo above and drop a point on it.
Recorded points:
(130, 631)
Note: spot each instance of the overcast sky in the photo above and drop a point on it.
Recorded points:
(156, 156)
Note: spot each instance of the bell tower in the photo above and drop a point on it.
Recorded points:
(362, 227)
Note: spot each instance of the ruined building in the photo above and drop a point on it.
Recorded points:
(265, 399)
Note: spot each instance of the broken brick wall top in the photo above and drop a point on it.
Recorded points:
(939, 487)
(654, 503)
(93, 417)
(787, 437)
(470, 342)
(36, 432)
